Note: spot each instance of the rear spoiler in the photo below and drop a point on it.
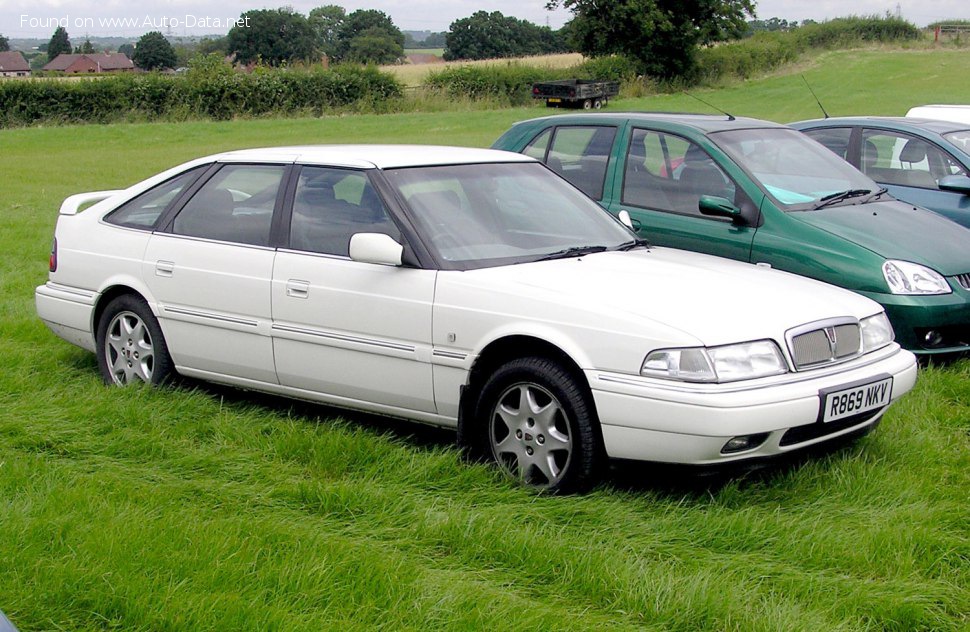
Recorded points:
(71, 205)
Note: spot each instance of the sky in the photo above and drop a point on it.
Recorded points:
(39, 18)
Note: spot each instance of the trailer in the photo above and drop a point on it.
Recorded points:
(589, 94)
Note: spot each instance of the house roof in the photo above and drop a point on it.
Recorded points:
(104, 61)
(13, 61)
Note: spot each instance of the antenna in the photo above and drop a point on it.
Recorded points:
(816, 97)
(713, 107)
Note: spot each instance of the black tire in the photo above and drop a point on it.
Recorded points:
(554, 445)
(587, 104)
(130, 344)
(597, 104)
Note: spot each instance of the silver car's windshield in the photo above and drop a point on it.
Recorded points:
(798, 172)
(483, 215)
(961, 139)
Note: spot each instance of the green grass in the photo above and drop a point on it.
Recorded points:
(198, 508)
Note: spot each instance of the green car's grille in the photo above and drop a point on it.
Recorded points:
(825, 345)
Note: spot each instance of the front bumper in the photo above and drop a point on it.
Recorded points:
(660, 420)
(929, 325)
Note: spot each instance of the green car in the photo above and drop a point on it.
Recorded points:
(761, 192)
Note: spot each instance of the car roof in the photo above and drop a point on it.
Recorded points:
(703, 123)
(370, 156)
(894, 122)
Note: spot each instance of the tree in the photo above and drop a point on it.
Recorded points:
(86, 48)
(59, 43)
(127, 49)
(326, 22)
(274, 37)
(367, 23)
(490, 35)
(661, 35)
(4, 44)
(153, 52)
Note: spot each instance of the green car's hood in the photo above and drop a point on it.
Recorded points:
(896, 230)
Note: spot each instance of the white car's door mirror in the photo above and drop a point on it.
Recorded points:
(376, 248)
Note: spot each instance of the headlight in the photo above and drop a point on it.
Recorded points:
(730, 363)
(904, 277)
(877, 332)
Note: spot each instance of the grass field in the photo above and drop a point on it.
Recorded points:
(201, 508)
(414, 74)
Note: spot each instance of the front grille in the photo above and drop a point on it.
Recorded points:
(800, 434)
(964, 280)
(825, 345)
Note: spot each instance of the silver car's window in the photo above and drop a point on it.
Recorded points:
(492, 214)
(836, 139)
(961, 139)
(669, 173)
(144, 210)
(330, 206)
(236, 204)
(790, 167)
(896, 158)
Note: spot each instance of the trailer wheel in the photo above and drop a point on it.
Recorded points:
(587, 104)
(597, 104)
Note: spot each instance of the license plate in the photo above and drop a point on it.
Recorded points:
(554, 100)
(852, 400)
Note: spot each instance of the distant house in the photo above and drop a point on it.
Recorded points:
(13, 64)
(91, 62)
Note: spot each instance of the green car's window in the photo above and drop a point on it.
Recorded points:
(144, 210)
(580, 154)
(539, 145)
(236, 204)
(330, 206)
(669, 173)
(895, 158)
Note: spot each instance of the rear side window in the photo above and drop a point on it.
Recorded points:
(144, 210)
(580, 154)
(236, 205)
(836, 139)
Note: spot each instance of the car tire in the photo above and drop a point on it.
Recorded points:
(130, 344)
(538, 423)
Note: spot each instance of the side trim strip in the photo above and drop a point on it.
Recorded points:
(449, 354)
(344, 338)
(218, 317)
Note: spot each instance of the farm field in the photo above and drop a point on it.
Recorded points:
(194, 507)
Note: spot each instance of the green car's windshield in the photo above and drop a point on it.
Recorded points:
(799, 173)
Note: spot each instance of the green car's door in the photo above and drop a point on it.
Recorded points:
(659, 180)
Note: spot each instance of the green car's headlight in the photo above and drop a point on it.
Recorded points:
(877, 332)
(904, 277)
(728, 363)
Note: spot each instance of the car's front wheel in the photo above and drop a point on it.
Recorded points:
(541, 425)
(131, 347)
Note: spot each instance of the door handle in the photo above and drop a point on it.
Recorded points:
(164, 268)
(298, 289)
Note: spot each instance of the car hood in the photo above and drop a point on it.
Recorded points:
(896, 230)
(678, 296)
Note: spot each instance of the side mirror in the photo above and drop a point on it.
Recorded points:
(629, 222)
(376, 248)
(957, 184)
(715, 206)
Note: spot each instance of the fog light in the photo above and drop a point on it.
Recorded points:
(744, 442)
(933, 338)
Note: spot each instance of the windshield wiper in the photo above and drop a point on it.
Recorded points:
(833, 198)
(575, 251)
(878, 192)
(639, 242)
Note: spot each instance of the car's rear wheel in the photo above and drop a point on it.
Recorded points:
(541, 426)
(131, 347)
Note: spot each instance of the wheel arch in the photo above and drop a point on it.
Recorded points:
(500, 351)
(110, 293)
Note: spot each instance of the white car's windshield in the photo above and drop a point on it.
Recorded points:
(796, 171)
(493, 214)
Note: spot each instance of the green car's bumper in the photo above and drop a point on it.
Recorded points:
(930, 325)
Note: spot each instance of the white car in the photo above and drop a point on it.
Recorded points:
(955, 113)
(466, 288)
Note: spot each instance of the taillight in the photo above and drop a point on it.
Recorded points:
(52, 262)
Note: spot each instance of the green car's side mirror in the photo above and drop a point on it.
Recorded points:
(716, 206)
(957, 184)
